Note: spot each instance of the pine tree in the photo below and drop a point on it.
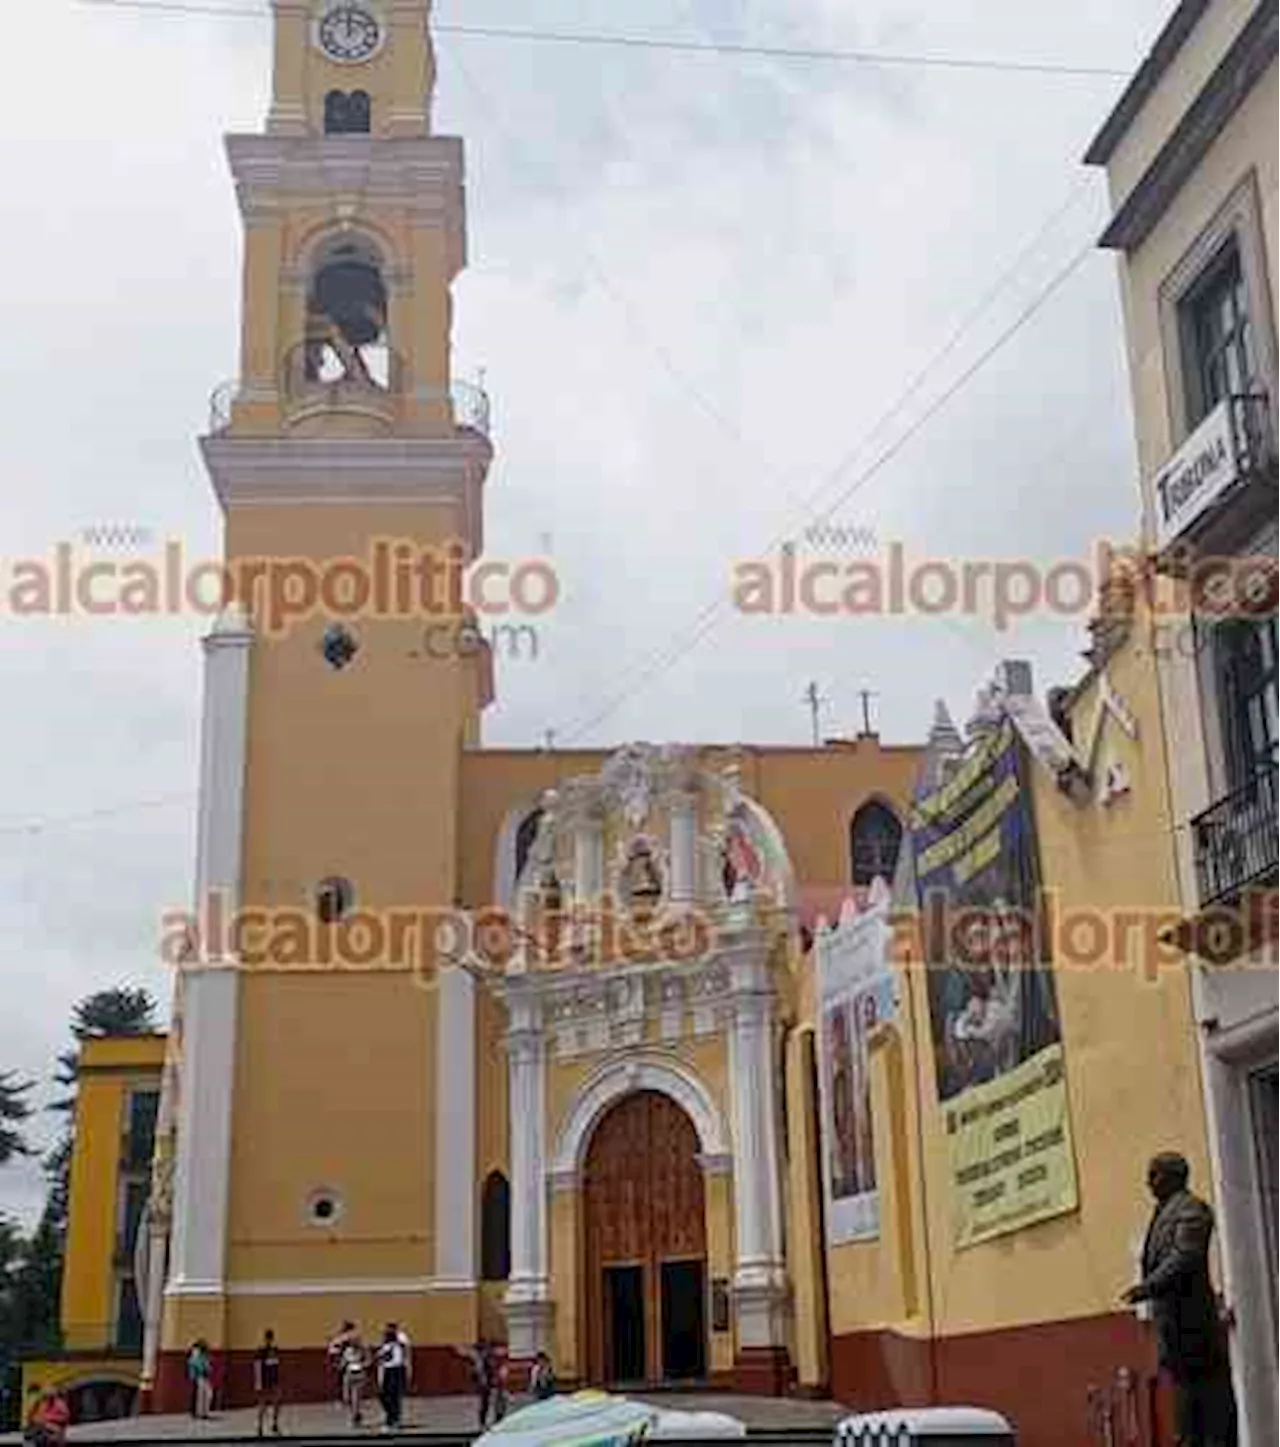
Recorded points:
(14, 1109)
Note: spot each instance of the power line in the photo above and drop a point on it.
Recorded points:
(710, 614)
(40, 826)
(666, 43)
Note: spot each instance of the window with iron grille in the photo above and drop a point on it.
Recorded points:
(1247, 696)
(1220, 358)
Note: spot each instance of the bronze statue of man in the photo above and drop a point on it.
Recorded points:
(1189, 1332)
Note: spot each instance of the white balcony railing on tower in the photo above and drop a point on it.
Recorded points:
(469, 402)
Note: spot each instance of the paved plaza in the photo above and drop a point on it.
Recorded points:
(427, 1415)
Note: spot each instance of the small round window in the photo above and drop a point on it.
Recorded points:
(324, 1207)
(334, 898)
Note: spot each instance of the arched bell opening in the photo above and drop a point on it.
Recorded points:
(345, 352)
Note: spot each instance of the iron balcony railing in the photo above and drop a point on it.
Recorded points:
(1235, 839)
(1254, 437)
(469, 402)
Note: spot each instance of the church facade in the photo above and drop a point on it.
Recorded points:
(555, 1114)
(616, 1054)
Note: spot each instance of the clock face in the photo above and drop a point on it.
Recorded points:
(349, 33)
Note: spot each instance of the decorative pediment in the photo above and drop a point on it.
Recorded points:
(656, 835)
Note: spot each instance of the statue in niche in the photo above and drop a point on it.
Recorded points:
(743, 868)
(641, 880)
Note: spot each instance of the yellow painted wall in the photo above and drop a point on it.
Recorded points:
(109, 1069)
(67, 1373)
(392, 799)
(335, 1088)
(1132, 1078)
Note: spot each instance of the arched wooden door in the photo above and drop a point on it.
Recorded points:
(645, 1244)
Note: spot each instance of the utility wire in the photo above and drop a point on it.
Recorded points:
(710, 615)
(664, 43)
(40, 826)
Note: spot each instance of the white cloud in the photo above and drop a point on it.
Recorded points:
(696, 282)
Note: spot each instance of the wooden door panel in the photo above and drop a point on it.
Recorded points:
(643, 1203)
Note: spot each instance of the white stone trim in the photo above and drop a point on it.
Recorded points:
(426, 171)
(350, 1286)
(619, 1078)
(348, 469)
(195, 1288)
(211, 988)
(455, 1094)
(203, 1170)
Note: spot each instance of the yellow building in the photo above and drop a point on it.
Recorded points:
(379, 1137)
(117, 1097)
(1191, 166)
(534, 1045)
(1009, 1212)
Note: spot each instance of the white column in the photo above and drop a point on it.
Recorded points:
(760, 1270)
(588, 856)
(527, 1301)
(197, 1262)
(455, 1164)
(683, 813)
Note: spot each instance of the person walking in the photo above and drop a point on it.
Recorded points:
(403, 1337)
(482, 1368)
(352, 1364)
(333, 1354)
(392, 1375)
(1190, 1337)
(501, 1378)
(266, 1383)
(542, 1379)
(55, 1418)
(200, 1375)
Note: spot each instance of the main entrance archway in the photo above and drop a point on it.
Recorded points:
(644, 1228)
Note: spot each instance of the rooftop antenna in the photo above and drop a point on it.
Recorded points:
(815, 701)
(866, 695)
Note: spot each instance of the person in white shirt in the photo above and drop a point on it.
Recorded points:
(351, 1363)
(392, 1375)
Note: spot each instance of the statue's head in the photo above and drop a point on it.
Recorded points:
(1167, 1174)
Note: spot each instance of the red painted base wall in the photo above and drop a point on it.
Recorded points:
(1038, 1376)
(306, 1376)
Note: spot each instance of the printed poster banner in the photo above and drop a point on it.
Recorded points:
(857, 990)
(993, 1010)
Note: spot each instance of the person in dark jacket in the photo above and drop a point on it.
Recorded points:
(1190, 1335)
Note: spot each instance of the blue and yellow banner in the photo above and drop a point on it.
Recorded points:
(993, 1011)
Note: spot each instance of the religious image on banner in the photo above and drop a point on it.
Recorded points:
(857, 992)
(994, 1026)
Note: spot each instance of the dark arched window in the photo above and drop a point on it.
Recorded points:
(525, 835)
(875, 836)
(359, 112)
(495, 1228)
(347, 114)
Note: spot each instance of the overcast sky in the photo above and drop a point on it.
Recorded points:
(696, 282)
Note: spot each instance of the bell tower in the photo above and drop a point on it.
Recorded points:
(346, 460)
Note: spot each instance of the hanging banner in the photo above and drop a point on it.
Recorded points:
(993, 1012)
(857, 990)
